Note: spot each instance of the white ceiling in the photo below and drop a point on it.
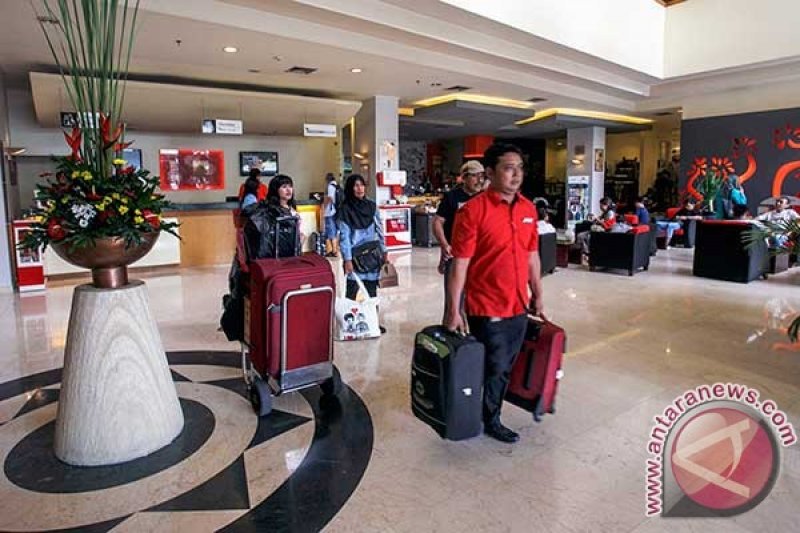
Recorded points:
(403, 46)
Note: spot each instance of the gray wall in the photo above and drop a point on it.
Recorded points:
(307, 160)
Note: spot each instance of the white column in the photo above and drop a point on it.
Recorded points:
(376, 123)
(583, 145)
(5, 217)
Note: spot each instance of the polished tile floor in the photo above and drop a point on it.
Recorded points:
(635, 343)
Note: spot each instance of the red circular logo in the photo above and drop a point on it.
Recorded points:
(723, 458)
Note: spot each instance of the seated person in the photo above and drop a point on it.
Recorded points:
(780, 214)
(641, 210)
(543, 224)
(689, 211)
(605, 222)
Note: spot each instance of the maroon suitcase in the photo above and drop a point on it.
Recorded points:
(534, 377)
(288, 330)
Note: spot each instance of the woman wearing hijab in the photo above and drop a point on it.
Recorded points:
(359, 223)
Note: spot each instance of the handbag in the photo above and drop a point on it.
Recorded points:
(367, 257)
(389, 277)
(357, 319)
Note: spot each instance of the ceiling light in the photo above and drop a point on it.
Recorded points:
(356, 70)
(405, 111)
(475, 99)
(584, 113)
(359, 156)
(230, 49)
(16, 151)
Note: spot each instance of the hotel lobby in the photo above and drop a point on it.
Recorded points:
(603, 98)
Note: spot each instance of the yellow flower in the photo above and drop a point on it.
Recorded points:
(138, 212)
(122, 209)
(106, 200)
(64, 200)
(115, 196)
(119, 162)
(138, 219)
(76, 174)
(124, 200)
(86, 175)
(101, 206)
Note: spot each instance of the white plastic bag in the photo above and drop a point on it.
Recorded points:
(357, 320)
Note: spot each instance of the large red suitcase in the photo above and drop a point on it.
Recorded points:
(537, 370)
(288, 330)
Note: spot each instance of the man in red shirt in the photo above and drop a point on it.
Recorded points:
(495, 256)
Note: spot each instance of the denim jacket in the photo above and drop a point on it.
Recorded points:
(349, 238)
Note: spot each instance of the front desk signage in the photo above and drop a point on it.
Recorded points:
(221, 126)
(71, 119)
(319, 130)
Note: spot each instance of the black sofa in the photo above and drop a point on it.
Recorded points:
(720, 253)
(623, 251)
(547, 252)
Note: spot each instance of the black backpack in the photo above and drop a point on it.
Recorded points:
(270, 232)
(338, 199)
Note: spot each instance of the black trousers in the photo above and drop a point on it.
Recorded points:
(352, 288)
(502, 340)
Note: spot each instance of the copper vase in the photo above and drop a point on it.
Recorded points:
(108, 259)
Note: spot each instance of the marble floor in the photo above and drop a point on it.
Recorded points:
(634, 344)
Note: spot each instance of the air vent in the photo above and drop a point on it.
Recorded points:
(458, 88)
(662, 114)
(305, 71)
(537, 99)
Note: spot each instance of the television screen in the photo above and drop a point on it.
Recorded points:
(266, 161)
(133, 156)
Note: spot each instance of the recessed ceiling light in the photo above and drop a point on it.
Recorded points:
(230, 49)
(356, 70)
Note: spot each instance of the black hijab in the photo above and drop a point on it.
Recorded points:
(356, 213)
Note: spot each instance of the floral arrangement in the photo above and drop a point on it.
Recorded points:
(94, 194)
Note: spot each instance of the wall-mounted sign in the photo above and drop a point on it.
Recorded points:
(222, 126)
(319, 130)
(71, 119)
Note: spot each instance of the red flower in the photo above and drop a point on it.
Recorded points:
(110, 137)
(152, 219)
(55, 230)
(74, 141)
(104, 215)
(127, 171)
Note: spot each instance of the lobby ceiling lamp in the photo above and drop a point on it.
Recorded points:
(230, 49)
(356, 70)
(476, 99)
(584, 113)
(359, 156)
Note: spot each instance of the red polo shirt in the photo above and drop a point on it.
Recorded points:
(498, 238)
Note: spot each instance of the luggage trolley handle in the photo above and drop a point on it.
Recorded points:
(304, 289)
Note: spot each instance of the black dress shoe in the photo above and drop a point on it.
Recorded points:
(500, 432)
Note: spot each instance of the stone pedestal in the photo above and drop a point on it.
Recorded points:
(117, 400)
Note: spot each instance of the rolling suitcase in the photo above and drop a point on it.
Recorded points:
(537, 369)
(289, 327)
(447, 382)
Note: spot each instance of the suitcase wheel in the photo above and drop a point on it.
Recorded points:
(333, 385)
(260, 397)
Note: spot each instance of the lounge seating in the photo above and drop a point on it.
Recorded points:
(624, 251)
(721, 254)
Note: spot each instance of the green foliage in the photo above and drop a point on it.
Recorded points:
(93, 194)
(78, 207)
(709, 185)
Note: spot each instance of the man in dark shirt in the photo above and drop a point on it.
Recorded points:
(471, 184)
(496, 259)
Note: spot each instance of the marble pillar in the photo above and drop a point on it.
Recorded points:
(117, 400)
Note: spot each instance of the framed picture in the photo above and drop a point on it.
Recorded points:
(266, 161)
(599, 160)
(191, 170)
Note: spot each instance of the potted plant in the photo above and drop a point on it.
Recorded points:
(97, 212)
(708, 185)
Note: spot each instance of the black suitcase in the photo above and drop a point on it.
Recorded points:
(447, 382)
